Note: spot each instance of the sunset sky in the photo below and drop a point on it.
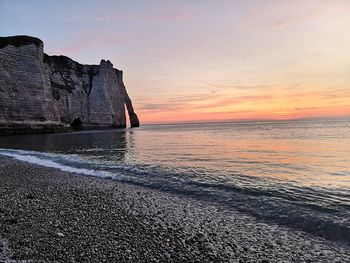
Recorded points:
(205, 60)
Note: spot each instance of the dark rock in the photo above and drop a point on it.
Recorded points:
(12, 221)
(18, 41)
(30, 196)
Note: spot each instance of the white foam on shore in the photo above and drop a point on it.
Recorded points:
(25, 156)
(68, 157)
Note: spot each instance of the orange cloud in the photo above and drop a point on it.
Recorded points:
(277, 103)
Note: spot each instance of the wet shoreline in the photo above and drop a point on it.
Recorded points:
(47, 215)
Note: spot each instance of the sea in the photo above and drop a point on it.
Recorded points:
(293, 173)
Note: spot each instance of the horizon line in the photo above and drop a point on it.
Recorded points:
(247, 120)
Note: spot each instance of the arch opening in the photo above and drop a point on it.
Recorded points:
(77, 124)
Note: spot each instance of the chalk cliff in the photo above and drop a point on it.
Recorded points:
(41, 93)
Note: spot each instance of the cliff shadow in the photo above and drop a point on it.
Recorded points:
(111, 144)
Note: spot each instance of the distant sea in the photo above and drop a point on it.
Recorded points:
(292, 173)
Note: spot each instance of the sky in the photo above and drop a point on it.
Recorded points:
(199, 60)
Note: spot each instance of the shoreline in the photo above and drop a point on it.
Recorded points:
(59, 130)
(47, 215)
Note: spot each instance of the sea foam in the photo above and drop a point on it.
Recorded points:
(32, 157)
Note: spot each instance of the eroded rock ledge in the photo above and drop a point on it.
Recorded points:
(41, 93)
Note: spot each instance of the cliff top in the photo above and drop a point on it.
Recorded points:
(59, 60)
(19, 41)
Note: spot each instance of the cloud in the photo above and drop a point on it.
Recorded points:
(310, 108)
(276, 14)
(200, 102)
(155, 106)
(324, 94)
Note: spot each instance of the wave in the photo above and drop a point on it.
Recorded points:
(312, 210)
(32, 157)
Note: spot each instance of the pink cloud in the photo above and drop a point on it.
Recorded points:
(276, 14)
(208, 101)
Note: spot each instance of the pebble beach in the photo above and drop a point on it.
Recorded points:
(47, 215)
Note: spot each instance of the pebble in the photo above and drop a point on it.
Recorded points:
(127, 223)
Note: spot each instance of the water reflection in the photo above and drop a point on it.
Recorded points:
(305, 153)
(114, 144)
(296, 173)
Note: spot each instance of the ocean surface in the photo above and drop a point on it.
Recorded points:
(293, 173)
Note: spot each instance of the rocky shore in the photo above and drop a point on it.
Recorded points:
(47, 215)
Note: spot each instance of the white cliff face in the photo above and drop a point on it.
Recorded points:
(25, 92)
(41, 93)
